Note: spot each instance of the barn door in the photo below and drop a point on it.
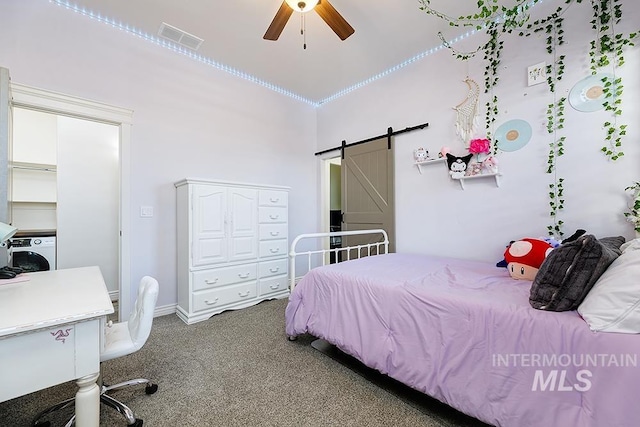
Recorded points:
(368, 190)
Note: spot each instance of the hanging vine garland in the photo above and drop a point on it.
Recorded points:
(607, 51)
(552, 26)
(495, 20)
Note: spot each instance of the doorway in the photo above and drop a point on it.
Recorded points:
(64, 185)
(363, 181)
(77, 113)
(335, 206)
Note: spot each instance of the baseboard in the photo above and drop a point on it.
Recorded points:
(164, 310)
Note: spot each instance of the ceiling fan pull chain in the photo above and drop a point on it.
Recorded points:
(303, 31)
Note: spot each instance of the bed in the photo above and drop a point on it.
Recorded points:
(464, 333)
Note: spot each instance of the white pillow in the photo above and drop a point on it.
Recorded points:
(613, 304)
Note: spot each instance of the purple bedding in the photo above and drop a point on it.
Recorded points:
(464, 333)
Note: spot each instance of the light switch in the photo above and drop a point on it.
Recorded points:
(146, 211)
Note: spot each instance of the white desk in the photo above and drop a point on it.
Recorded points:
(51, 332)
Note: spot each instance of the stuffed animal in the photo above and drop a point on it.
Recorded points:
(524, 257)
(474, 168)
(458, 165)
(553, 243)
(421, 155)
(490, 164)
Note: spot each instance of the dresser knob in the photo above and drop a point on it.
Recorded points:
(244, 294)
(274, 217)
(274, 251)
(276, 286)
(211, 282)
(243, 275)
(274, 270)
(274, 233)
(212, 302)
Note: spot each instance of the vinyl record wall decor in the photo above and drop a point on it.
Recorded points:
(588, 95)
(513, 135)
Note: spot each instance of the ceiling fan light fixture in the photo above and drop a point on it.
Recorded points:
(302, 6)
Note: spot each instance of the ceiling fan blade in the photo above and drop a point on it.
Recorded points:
(278, 23)
(333, 19)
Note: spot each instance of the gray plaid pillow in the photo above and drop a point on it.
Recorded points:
(568, 273)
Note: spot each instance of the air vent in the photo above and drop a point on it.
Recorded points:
(180, 37)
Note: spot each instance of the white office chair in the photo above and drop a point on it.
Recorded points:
(121, 339)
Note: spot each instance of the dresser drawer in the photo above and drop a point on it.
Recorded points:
(273, 198)
(271, 215)
(273, 284)
(219, 297)
(269, 248)
(273, 231)
(273, 268)
(224, 276)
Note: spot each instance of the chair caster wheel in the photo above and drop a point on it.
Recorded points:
(150, 389)
(137, 423)
(292, 338)
(43, 424)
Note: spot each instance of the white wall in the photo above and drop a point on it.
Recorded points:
(190, 120)
(433, 214)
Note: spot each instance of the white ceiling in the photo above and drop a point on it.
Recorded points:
(387, 33)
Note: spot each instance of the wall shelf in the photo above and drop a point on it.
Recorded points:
(33, 166)
(428, 162)
(488, 175)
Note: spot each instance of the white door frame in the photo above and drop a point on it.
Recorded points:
(60, 104)
(324, 164)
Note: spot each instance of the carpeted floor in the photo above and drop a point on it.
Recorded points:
(238, 369)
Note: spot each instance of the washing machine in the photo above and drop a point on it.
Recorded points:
(33, 253)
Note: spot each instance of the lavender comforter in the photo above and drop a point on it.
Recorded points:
(464, 333)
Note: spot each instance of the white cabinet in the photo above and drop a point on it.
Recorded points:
(224, 226)
(232, 246)
(32, 170)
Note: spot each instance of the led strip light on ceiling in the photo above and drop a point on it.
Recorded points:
(241, 74)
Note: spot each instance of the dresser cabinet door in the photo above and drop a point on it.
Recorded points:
(243, 225)
(209, 210)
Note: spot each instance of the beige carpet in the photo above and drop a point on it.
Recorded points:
(238, 369)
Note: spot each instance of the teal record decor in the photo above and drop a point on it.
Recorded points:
(513, 135)
(588, 94)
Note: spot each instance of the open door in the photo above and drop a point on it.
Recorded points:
(5, 126)
(368, 190)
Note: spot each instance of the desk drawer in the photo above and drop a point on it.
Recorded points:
(273, 284)
(273, 268)
(270, 248)
(46, 357)
(219, 297)
(224, 276)
(272, 215)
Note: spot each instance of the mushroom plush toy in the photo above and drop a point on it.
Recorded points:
(524, 257)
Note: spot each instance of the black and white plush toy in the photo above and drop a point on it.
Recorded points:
(458, 165)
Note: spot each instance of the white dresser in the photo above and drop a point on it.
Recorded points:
(232, 246)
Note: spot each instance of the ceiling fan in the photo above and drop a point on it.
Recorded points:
(327, 12)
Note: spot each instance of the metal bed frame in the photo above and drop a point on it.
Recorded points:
(321, 256)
